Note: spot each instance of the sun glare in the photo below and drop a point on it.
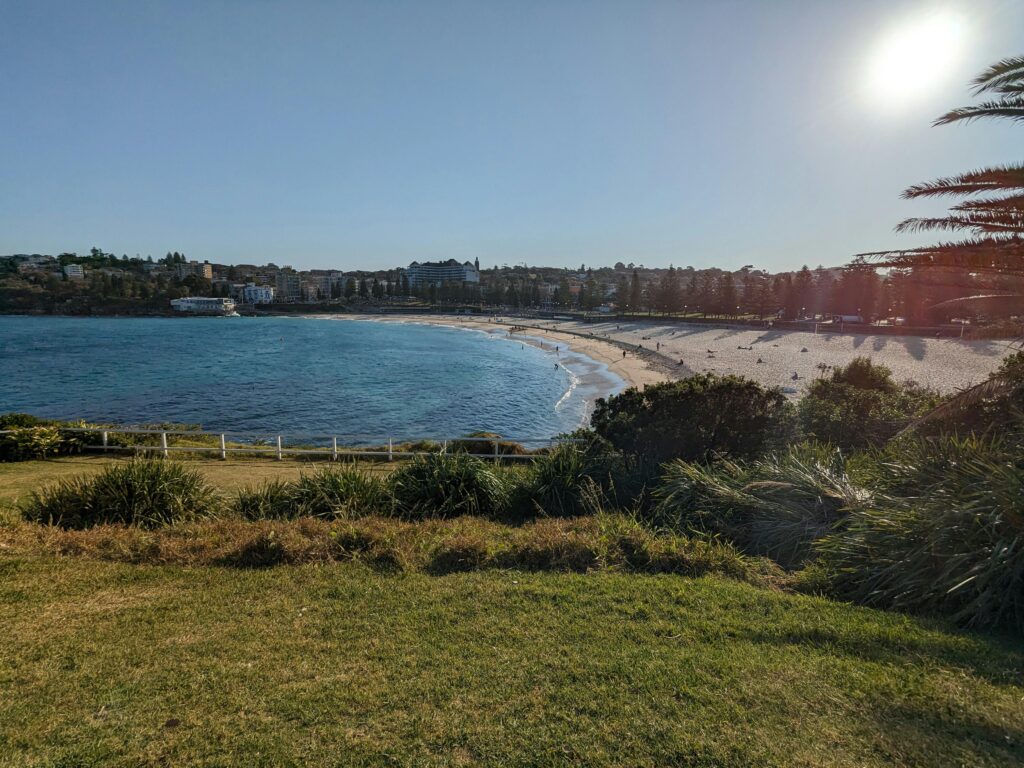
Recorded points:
(916, 58)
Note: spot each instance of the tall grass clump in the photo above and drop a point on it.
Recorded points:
(559, 484)
(143, 492)
(448, 485)
(777, 506)
(951, 542)
(326, 492)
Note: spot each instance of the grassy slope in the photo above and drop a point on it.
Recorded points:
(114, 664)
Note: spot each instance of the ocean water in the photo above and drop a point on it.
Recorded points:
(296, 376)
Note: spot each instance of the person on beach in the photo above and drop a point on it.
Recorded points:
(623, 354)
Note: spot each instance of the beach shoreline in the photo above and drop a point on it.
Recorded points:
(631, 369)
(663, 351)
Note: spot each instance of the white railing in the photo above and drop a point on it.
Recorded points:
(381, 448)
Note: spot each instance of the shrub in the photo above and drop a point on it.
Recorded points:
(776, 506)
(326, 492)
(861, 406)
(23, 443)
(952, 544)
(33, 438)
(20, 420)
(694, 419)
(143, 492)
(448, 485)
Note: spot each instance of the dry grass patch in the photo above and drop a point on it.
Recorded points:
(601, 542)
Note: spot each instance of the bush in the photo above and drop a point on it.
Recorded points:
(448, 485)
(33, 438)
(861, 406)
(776, 506)
(326, 492)
(144, 492)
(953, 543)
(25, 443)
(694, 419)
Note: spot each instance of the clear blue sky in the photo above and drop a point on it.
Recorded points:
(367, 134)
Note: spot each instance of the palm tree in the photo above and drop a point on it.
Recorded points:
(993, 208)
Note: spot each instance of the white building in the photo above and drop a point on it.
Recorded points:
(438, 272)
(74, 272)
(257, 294)
(204, 305)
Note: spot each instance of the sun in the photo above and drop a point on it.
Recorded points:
(915, 58)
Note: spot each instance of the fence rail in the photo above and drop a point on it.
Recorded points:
(252, 443)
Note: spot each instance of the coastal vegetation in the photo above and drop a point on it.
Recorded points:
(924, 520)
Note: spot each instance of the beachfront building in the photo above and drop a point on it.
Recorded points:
(440, 272)
(257, 294)
(199, 269)
(288, 285)
(203, 305)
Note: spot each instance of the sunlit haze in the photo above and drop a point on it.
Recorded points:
(366, 135)
(917, 57)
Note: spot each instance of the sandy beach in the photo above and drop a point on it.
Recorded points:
(767, 356)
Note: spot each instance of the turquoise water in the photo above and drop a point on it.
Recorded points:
(297, 376)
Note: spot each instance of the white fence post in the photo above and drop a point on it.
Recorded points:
(164, 446)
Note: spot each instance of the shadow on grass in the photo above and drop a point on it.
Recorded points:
(900, 725)
(998, 658)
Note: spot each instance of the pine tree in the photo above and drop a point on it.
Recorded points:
(635, 292)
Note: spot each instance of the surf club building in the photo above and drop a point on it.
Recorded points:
(203, 305)
(440, 272)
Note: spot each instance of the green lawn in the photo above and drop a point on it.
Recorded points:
(125, 665)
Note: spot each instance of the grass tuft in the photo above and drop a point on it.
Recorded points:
(142, 492)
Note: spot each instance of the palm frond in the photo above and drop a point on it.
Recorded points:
(979, 223)
(1008, 71)
(1000, 178)
(1000, 255)
(1012, 109)
(1011, 202)
(997, 385)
